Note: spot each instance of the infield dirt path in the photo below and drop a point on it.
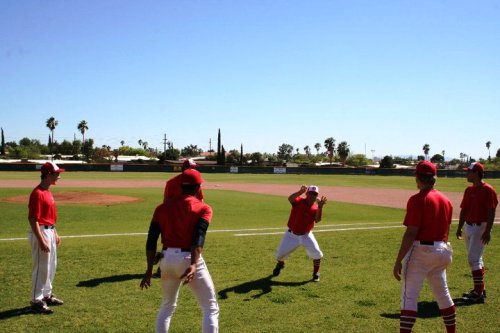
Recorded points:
(394, 198)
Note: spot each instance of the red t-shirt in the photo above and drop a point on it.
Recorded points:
(178, 217)
(476, 202)
(173, 188)
(302, 216)
(431, 211)
(42, 207)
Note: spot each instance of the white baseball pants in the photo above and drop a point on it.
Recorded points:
(44, 264)
(173, 264)
(290, 242)
(474, 245)
(426, 261)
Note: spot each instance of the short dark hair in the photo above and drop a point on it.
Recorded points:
(427, 179)
(189, 189)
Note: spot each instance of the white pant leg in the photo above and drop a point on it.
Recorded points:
(47, 289)
(203, 288)
(41, 264)
(414, 273)
(172, 266)
(437, 276)
(474, 245)
(312, 246)
(288, 244)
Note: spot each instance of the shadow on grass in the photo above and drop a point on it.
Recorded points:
(109, 279)
(430, 309)
(15, 312)
(264, 285)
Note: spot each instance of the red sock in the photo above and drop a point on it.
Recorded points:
(407, 319)
(316, 264)
(449, 318)
(478, 278)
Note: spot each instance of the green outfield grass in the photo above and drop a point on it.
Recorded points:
(401, 182)
(99, 277)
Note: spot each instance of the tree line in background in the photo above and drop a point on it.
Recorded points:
(338, 154)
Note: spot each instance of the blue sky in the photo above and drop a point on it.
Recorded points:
(387, 76)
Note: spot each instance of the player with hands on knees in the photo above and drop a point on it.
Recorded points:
(182, 222)
(305, 212)
(425, 252)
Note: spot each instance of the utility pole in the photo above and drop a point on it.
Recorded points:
(164, 147)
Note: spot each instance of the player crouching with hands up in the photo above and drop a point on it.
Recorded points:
(306, 211)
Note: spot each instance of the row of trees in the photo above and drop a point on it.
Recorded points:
(84, 149)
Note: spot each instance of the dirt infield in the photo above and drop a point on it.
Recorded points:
(80, 198)
(394, 198)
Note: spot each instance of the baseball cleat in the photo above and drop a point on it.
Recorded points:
(316, 277)
(277, 269)
(52, 300)
(40, 307)
(467, 294)
(473, 296)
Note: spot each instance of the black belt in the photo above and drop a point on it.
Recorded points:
(182, 250)
(47, 226)
(426, 242)
(478, 224)
(295, 233)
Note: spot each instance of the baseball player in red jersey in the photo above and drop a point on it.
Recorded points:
(44, 240)
(182, 222)
(173, 185)
(306, 211)
(478, 213)
(425, 250)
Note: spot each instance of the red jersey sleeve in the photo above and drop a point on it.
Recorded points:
(414, 212)
(35, 205)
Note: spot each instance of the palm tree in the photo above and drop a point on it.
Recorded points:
(343, 151)
(426, 149)
(317, 146)
(140, 142)
(307, 150)
(122, 142)
(51, 124)
(330, 148)
(83, 127)
(488, 145)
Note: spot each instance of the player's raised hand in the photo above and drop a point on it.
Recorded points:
(303, 188)
(322, 201)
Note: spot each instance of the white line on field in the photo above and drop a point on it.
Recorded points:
(318, 228)
(316, 231)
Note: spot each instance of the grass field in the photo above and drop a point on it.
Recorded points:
(98, 277)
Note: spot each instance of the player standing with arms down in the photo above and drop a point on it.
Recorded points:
(425, 250)
(44, 240)
(182, 222)
(306, 211)
(478, 213)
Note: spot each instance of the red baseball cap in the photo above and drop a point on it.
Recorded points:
(188, 164)
(426, 168)
(476, 166)
(50, 167)
(191, 177)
